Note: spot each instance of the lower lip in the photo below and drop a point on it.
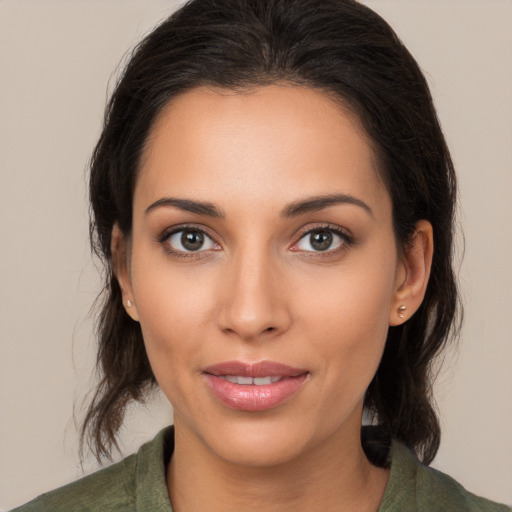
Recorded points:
(251, 397)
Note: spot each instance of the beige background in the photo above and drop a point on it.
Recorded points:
(56, 58)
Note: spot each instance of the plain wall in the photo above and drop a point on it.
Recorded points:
(56, 58)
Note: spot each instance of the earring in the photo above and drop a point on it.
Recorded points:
(401, 310)
(129, 303)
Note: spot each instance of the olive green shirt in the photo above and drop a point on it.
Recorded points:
(137, 484)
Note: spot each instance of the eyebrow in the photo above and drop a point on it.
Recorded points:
(188, 205)
(311, 204)
(317, 203)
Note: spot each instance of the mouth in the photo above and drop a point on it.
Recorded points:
(254, 387)
(250, 381)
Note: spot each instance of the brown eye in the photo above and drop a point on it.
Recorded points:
(190, 240)
(322, 240)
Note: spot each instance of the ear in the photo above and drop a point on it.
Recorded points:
(120, 248)
(413, 273)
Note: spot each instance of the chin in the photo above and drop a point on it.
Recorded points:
(259, 446)
(262, 440)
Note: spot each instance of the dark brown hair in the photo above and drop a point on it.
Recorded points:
(339, 47)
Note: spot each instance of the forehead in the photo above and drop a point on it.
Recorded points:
(272, 143)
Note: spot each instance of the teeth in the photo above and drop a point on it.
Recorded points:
(246, 381)
(260, 381)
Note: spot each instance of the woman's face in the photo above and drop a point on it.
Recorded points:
(263, 269)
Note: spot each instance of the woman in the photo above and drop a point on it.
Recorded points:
(273, 198)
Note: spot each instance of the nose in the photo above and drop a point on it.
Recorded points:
(253, 302)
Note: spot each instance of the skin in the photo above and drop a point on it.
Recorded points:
(258, 290)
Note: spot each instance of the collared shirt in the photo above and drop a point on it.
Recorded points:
(138, 484)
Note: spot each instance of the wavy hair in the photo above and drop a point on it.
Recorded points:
(343, 49)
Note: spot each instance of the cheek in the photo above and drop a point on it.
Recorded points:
(173, 306)
(355, 297)
(348, 323)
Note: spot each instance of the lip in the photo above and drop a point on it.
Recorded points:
(251, 397)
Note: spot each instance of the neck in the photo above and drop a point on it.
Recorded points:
(335, 476)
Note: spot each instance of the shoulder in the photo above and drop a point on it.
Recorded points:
(110, 489)
(436, 487)
(117, 488)
(413, 486)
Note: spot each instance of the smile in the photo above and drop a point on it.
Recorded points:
(254, 387)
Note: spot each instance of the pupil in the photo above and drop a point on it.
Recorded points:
(321, 240)
(192, 240)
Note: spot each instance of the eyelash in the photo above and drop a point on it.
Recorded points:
(343, 234)
(164, 239)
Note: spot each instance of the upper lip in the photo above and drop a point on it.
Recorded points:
(260, 369)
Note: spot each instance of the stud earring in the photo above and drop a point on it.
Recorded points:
(129, 303)
(401, 310)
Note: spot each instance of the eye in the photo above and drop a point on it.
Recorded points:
(190, 240)
(322, 240)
